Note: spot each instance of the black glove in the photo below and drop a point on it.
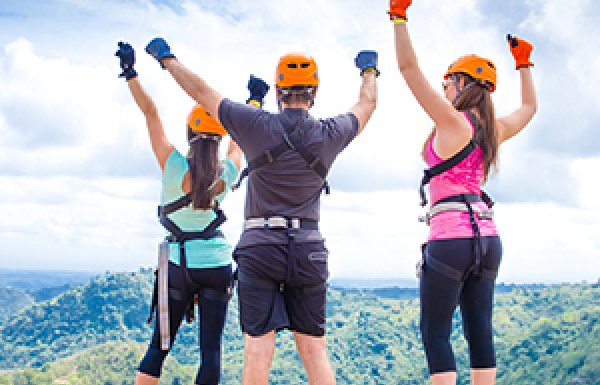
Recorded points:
(258, 89)
(367, 61)
(126, 54)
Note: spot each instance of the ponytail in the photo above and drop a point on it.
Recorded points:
(204, 169)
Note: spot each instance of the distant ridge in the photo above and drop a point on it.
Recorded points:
(372, 283)
(42, 279)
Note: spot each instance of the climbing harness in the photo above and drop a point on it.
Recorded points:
(162, 292)
(460, 203)
(293, 139)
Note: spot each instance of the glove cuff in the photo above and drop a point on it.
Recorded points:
(524, 64)
(167, 55)
(254, 102)
(370, 69)
(397, 15)
(128, 74)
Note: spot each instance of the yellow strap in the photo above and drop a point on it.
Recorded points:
(399, 20)
(370, 70)
(254, 103)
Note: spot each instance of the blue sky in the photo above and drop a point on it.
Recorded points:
(79, 184)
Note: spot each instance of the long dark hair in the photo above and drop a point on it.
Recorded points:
(475, 95)
(203, 158)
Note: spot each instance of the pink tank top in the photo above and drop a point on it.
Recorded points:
(464, 178)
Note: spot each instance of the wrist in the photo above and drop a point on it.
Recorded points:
(371, 70)
(256, 103)
(165, 60)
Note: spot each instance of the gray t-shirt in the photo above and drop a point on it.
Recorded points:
(286, 187)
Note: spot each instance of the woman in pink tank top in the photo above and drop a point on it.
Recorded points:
(463, 251)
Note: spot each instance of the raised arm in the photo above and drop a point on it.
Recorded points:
(510, 125)
(191, 83)
(446, 118)
(367, 97)
(160, 145)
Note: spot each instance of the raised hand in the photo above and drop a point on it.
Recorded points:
(367, 61)
(126, 55)
(258, 90)
(398, 9)
(521, 51)
(159, 50)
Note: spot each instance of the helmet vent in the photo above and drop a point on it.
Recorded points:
(292, 65)
(304, 65)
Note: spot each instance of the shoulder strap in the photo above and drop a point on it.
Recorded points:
(294, 136)
(293, 139)
(210, 231)
(447, 164)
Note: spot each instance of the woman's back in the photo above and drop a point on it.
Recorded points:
(200, 253)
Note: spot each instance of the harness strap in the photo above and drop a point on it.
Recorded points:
(293, 136)
(280, 223)
(447, 164)
(444, 166)
(209, 232)
(464, 200)
(452, 272)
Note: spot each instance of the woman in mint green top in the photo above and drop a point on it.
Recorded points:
(198, 183)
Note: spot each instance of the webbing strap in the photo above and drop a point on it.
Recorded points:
(447, 164)
(209, 232)
(293, 139)
(443, 167)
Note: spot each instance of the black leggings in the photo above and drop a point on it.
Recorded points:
(440, 295)
(210, 324)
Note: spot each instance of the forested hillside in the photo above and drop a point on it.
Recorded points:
(95, 334)
(12, 301)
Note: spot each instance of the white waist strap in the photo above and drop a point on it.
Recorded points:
(455, 206)
(272, 223)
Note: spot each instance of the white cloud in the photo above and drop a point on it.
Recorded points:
(79, 184)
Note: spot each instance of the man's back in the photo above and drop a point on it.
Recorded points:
(286, 187)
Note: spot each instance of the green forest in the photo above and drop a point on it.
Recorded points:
(96, 333)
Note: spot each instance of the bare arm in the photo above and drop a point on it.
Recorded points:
(453, 131)
(234, 152)
(194, 86)
(510, 125)
(160, 145)
(367, 100)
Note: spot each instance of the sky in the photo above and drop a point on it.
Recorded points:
(79, 184)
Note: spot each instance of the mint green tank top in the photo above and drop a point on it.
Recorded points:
(200, 253)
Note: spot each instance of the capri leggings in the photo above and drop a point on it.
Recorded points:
(210, 323)
(440, 295)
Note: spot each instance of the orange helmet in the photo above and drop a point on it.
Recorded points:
(475, 66)
(296, 69)
(200, 121)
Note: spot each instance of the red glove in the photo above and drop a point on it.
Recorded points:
(398, 9)
(521, 50)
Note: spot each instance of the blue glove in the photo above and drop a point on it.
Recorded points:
(159, 49)
(258, 89)
(126, 54)
(367, 61)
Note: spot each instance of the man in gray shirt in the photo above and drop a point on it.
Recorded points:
(281, 255)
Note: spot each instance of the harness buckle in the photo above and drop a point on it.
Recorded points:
(269, 155)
